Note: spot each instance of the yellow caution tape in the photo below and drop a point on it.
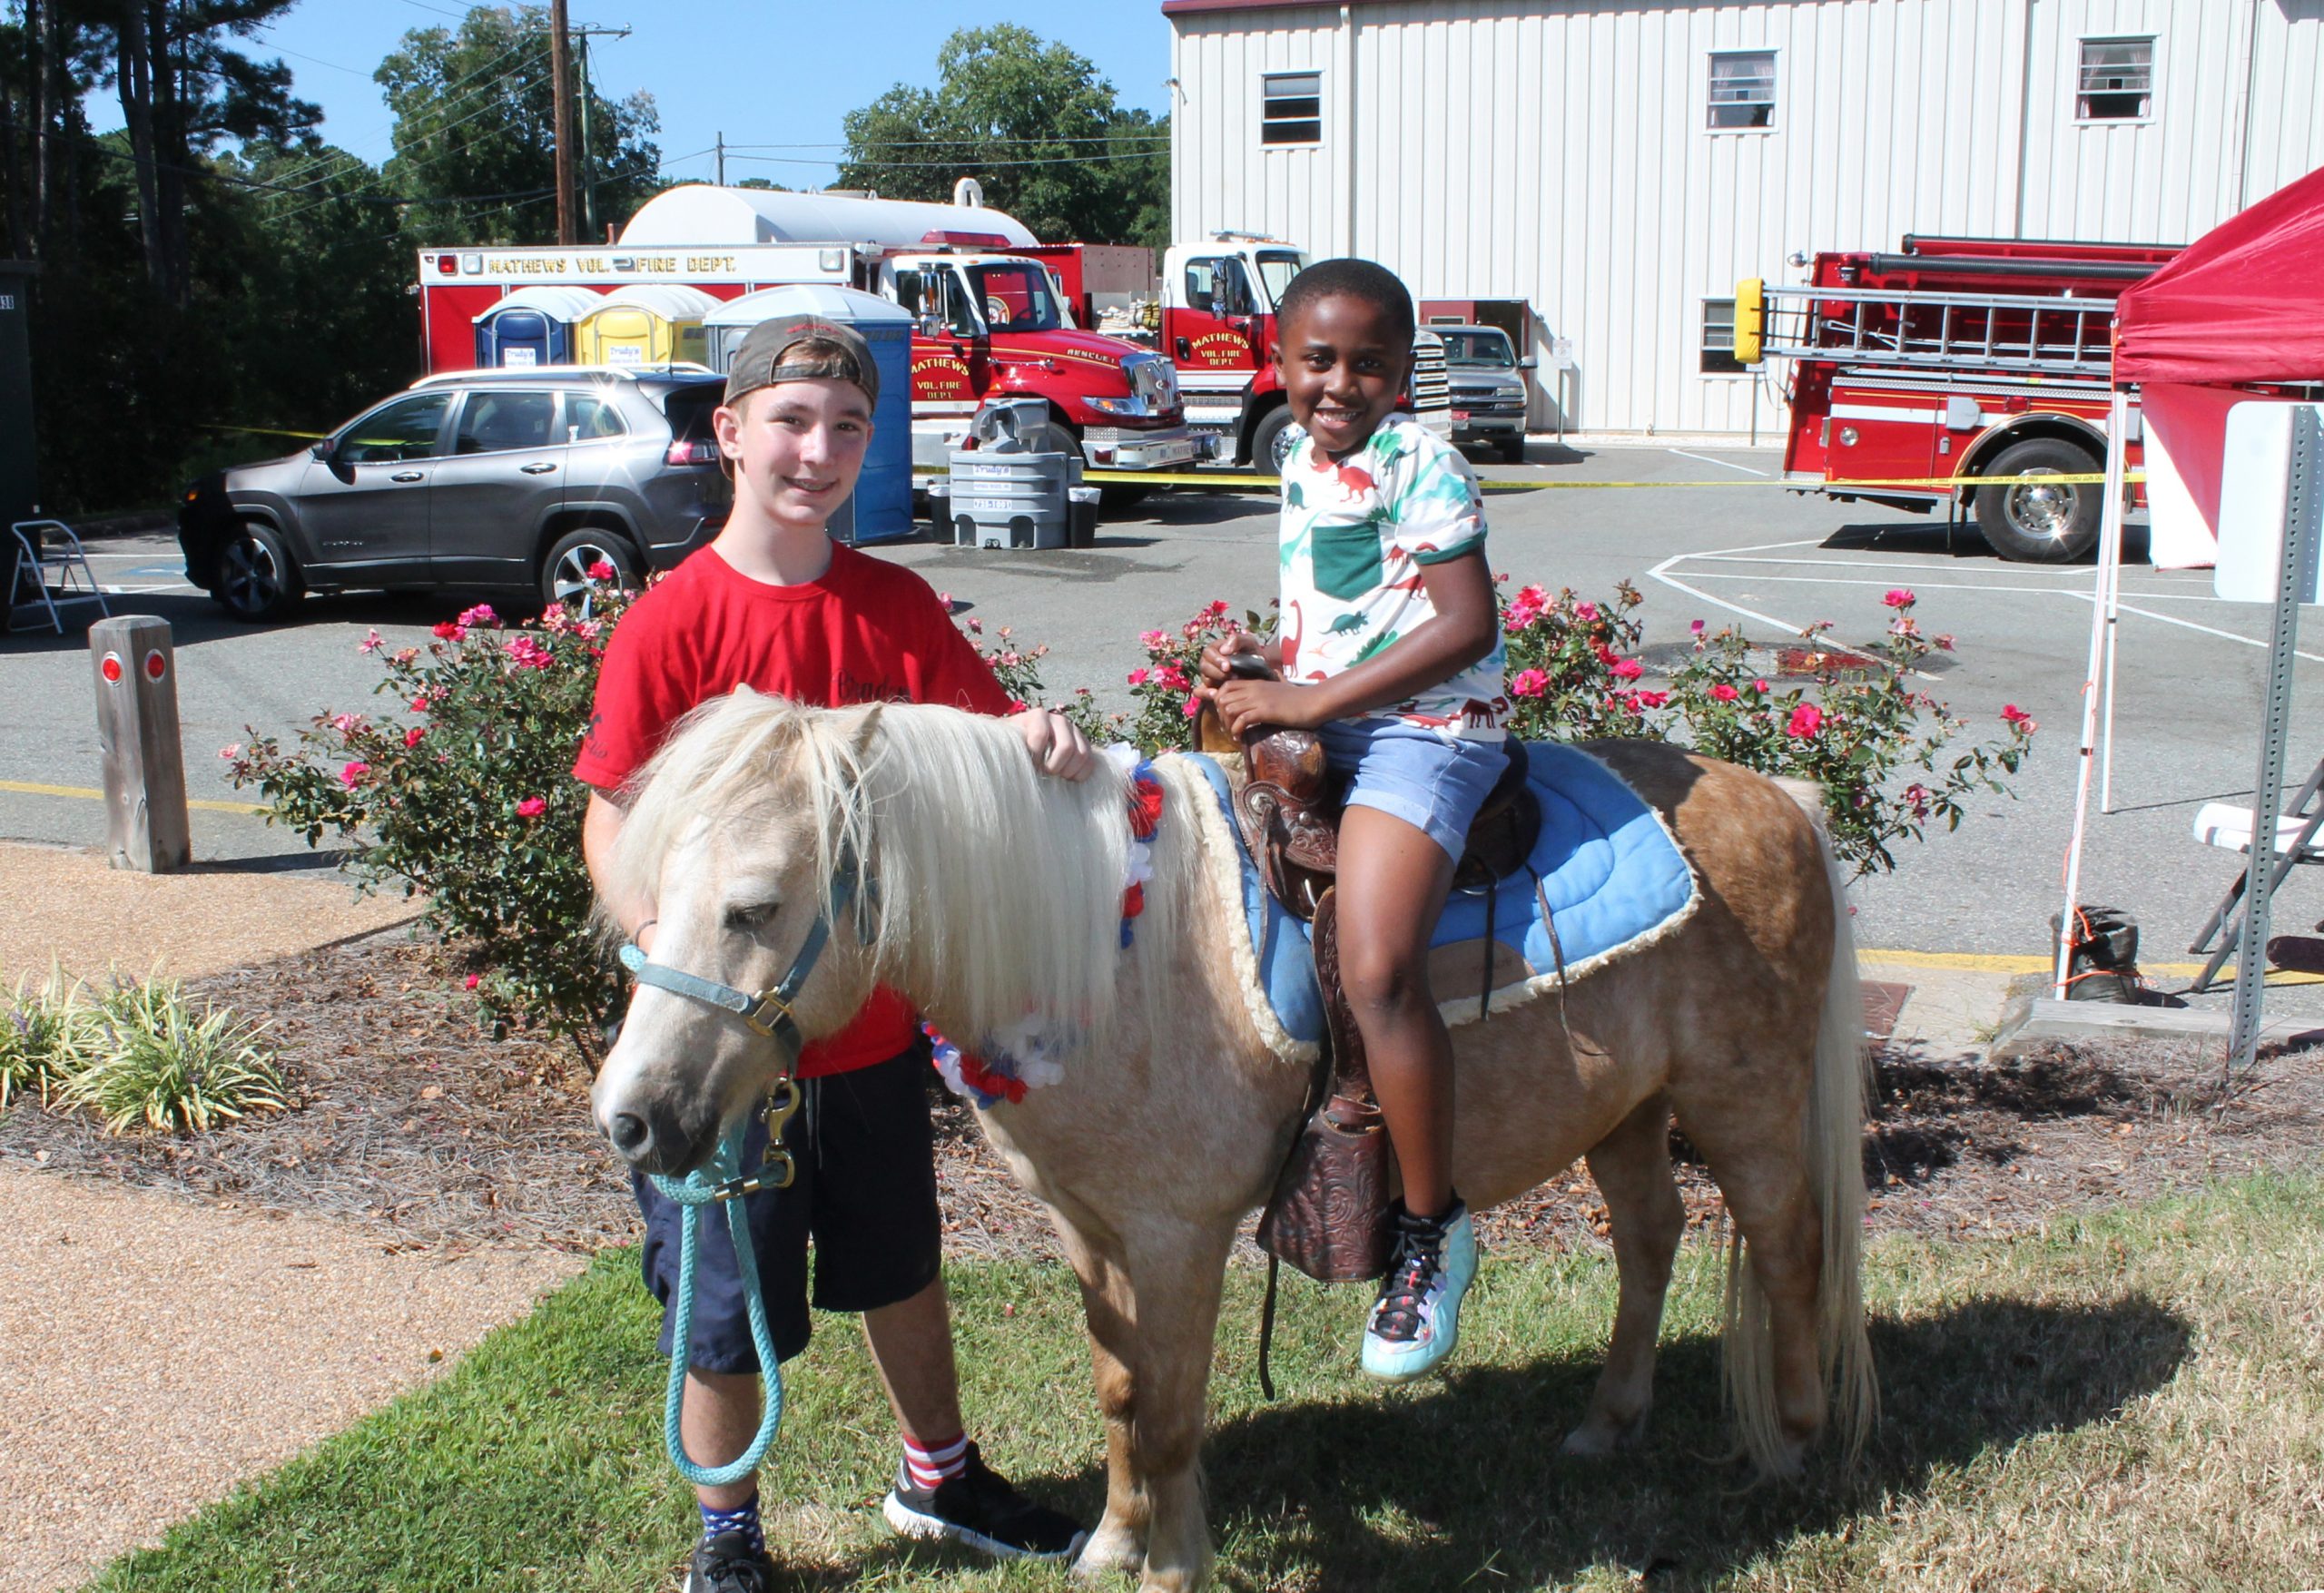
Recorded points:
(1240, 482)
(268, 431)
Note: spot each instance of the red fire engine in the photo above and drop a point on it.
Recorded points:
(1950, 367)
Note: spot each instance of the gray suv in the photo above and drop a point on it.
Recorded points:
(518, 478)
(1488, 388)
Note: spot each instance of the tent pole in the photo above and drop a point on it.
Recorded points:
(2110, 577)
(2082, 780)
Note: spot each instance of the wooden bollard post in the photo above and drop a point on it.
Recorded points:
(137, 731)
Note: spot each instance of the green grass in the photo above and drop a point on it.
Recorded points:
(2129, 1401)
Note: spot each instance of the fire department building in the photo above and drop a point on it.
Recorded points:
(1603, 171)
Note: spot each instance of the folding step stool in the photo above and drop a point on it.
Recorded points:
(50, 548)
(2228, 825)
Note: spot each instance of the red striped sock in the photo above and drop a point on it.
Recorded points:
(930, 1464)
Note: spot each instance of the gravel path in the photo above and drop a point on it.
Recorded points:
(66, 904)
(154, 1351)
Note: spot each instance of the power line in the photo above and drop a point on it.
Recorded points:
(998, 138)
(442, 96)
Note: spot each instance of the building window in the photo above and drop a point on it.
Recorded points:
(1719, 338)
(1291, 107)
(1742, 88)
(2117, 82)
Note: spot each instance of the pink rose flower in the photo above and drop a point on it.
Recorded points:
(232, 752)
(1529, 682)
(1193, 707)
(1150, 640)
(532, 807)
(1805, 721)
(411, 737)
(1761, 686)
(2018, 719)
(470, 982)
(372, 641)
(352, 773)
(1627, 669)
(1139, 677)
(1696, 627)
(1897, 597)
(603, 570)
(1649, 699)
(481, 615)
(1724, 693)
(1587, 612)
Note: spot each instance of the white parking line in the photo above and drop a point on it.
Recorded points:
(1707, 460)
(1661, 573)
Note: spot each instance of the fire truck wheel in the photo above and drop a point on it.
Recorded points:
(1268, 444)
(2028, 520)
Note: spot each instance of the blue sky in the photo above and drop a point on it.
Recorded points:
(762, 72)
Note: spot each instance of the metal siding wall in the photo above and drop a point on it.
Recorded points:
(1557, 152)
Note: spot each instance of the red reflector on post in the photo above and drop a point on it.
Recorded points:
(156, 666)
(111, 668)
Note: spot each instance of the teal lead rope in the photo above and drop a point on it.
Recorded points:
(710, 1185)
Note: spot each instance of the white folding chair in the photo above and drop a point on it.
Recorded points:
(52, 572)
(2227, 826)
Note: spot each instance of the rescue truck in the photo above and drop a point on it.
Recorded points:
(1962, 369)
(1219, 327)
(988, 321)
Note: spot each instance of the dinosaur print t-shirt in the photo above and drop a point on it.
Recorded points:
(1356, 535)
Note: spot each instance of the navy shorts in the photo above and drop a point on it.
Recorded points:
(865, 1191)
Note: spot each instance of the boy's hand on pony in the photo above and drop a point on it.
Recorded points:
(1057, 743)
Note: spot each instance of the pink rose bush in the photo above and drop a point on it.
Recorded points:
(1857, 724)
(462, 793)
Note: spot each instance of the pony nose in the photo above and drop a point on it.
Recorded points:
(629, 1133)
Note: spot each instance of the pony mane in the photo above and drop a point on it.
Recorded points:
(994, 893)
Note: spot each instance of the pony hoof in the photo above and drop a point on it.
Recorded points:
(1594, 1437)
(1107, 1555)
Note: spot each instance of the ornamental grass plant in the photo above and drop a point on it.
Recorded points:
(145, 1057)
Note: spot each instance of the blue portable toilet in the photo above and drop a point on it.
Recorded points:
(880, 508)
(532, 326)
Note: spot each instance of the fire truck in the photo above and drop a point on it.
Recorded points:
(1962, 369)
(988, 323)
(1218, 326)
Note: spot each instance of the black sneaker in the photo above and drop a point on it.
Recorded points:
(980, 1509)
(728, 1564)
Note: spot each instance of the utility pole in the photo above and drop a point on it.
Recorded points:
(721, 160)
(588, 159)
(560, 69)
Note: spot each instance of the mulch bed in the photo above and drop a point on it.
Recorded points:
(411, 1117)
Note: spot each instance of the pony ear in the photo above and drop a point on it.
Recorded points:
(866, 727)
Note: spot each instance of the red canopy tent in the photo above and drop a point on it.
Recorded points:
(2243, 304)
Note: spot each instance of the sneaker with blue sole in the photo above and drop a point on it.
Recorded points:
(1416, 1319)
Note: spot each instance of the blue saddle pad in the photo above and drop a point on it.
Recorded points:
(1608, 868)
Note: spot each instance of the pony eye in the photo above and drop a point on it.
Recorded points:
(751, 916)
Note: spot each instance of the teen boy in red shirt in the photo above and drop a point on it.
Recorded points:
(774, 603)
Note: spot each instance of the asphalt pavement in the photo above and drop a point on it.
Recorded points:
(1737, 549)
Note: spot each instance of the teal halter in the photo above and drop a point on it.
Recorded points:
(768, 1014)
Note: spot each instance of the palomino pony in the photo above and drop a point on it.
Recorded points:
(991, 895)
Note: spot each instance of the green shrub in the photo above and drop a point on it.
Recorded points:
(467, 793)
(146, 1055)
(41, 1037)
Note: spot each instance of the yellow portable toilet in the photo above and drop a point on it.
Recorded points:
(646, 323)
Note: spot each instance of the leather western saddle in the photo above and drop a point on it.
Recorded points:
(1328, 1216)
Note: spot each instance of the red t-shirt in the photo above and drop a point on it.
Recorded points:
(866, 632)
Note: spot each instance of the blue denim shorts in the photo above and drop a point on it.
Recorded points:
(1431, 782)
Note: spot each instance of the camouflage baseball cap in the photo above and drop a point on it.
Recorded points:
(765, 357)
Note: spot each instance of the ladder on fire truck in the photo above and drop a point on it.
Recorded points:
(2046, 336)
